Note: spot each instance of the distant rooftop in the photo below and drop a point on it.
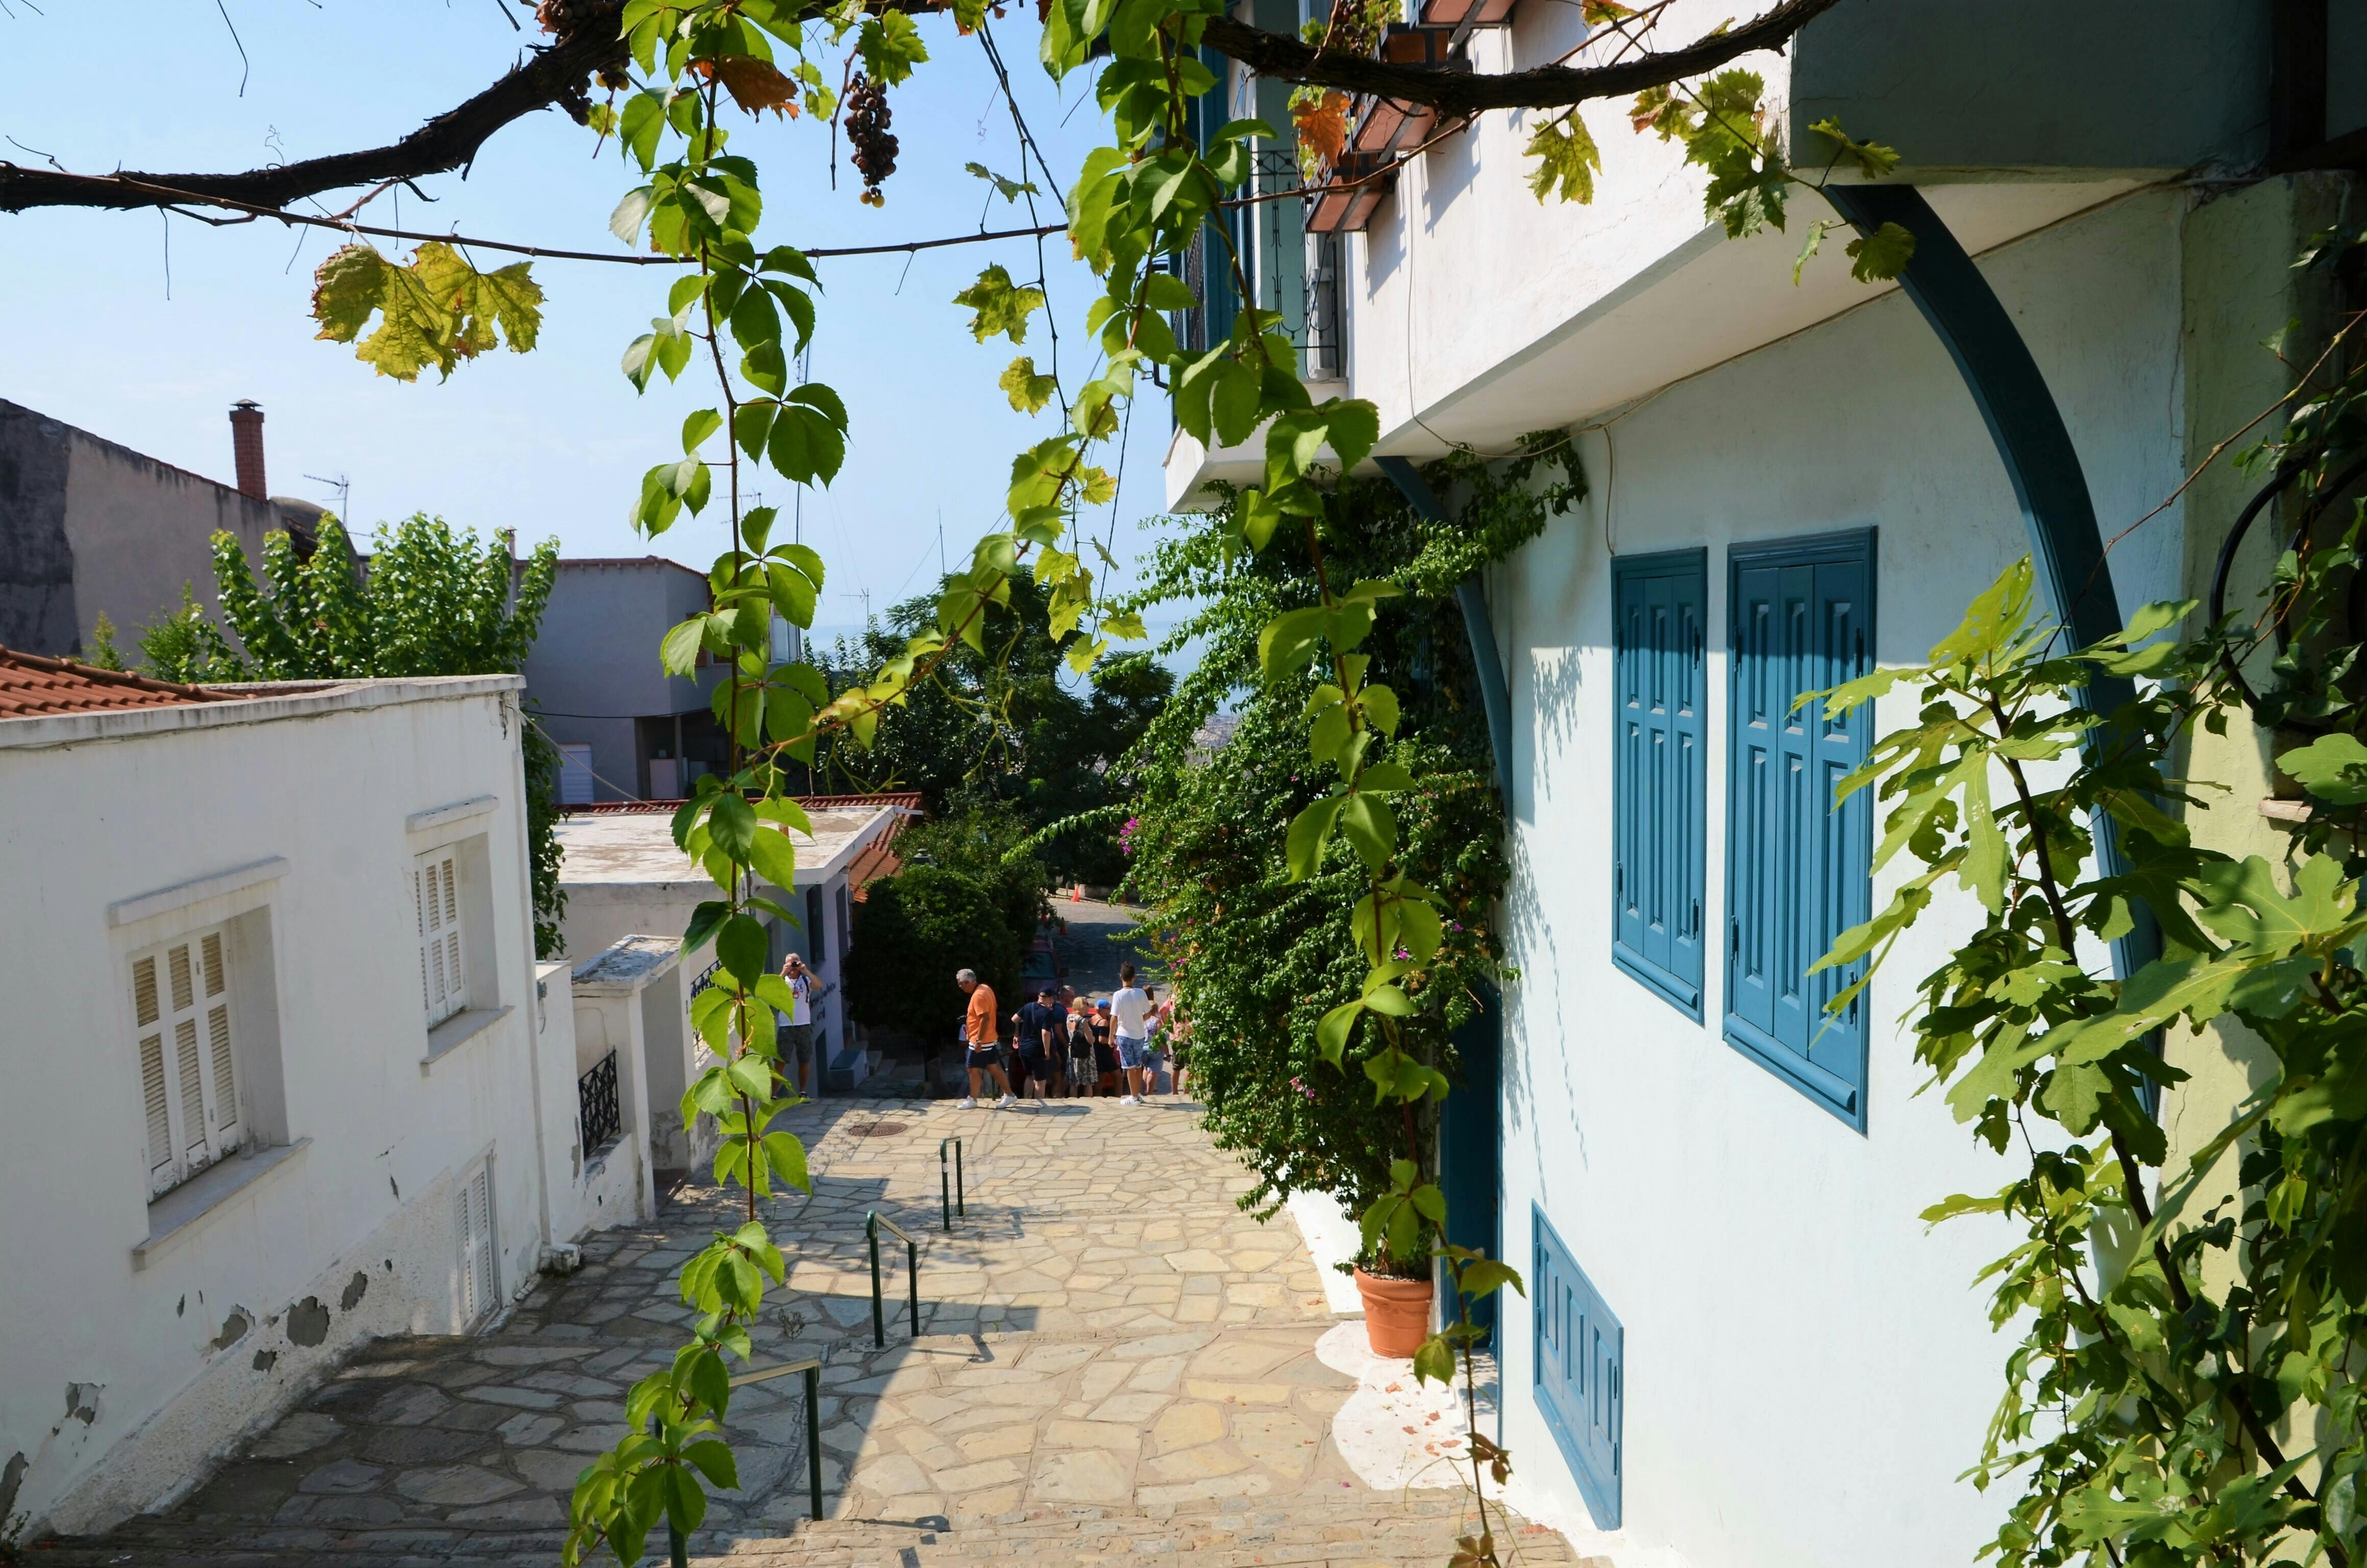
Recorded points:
(31, 685)
(632, 845)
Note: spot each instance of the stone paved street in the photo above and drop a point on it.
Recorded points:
(1114, 1359)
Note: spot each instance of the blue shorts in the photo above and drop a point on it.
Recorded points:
(983, 1057)
(1129, 1052)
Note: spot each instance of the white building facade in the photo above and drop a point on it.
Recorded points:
(1741, 1348)
(281, 1073)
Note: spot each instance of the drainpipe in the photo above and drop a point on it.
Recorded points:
(2044, 467)
(513, 705)
(1495, 696)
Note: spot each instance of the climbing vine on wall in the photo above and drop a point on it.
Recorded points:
(2185, 1385)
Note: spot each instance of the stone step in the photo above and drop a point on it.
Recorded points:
(1371, 1531)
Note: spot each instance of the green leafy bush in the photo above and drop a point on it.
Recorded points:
(912, 932)
(1257, 957)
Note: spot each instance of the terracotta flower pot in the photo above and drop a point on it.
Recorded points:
(1397, 1314)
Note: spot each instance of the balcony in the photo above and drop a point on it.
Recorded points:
(1349, 191)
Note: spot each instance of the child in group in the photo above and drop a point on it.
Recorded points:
(1084, 1072)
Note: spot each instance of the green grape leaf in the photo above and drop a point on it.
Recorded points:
(1567, 160)
(1001, 307)
(1883, 254)
(1027, 391)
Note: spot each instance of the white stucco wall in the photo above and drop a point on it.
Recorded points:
(1807, 1370)
(353, 1234)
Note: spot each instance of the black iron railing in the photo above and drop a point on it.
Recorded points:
(872, 1224)
(950, 1193)
(678, 1542)
(595, 1106)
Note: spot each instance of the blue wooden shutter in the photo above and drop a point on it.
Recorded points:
(1581, 1371)
(1659, 771)
(1799, 870)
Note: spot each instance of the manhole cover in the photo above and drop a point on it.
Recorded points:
(881, 1129)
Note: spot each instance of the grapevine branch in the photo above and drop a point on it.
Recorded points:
(552, 74)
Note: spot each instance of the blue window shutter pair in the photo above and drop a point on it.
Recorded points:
(1798, 869)
(1581, 1372)
(1659, 771)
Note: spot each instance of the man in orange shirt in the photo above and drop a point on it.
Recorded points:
(978, 1033)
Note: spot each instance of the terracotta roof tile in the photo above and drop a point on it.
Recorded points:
(31, 685)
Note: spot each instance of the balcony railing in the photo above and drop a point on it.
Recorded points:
(598, 1119)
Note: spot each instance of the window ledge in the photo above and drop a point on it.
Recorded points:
(176, 1214)
(457, 1031)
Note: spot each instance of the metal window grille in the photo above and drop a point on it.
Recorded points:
(595, 1104)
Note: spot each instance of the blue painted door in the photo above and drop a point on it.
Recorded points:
(1797, 867)
(1581, 1372)
(1471, 1145)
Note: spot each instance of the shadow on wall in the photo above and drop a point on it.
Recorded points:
(1447, 171)
(1528, 1047)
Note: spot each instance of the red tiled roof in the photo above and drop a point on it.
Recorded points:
(31, 685)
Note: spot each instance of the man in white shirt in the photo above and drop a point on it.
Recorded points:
(796, 1030)
(1130, 1007)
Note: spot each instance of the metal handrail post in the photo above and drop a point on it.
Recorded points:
(813, 1435)
(961, 1192)
(945, 1185)
(811, 1368)
(879, 1317)
(912, 1271)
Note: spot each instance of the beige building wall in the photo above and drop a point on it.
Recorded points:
(2240, 289)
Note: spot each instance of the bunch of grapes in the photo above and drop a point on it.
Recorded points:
(867, 130)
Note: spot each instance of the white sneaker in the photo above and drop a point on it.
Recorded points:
(1005, 1103)
(967, 1103)
(1128, 1099)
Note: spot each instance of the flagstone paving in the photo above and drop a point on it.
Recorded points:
(1113, 1362)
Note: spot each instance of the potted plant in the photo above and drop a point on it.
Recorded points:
(1396, 1303)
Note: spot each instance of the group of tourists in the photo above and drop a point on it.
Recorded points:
(1062, 1044)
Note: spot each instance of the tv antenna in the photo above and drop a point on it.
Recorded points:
(345, 489)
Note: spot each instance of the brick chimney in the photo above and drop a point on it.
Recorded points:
(246, 446)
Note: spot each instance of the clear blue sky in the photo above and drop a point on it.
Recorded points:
(552, 442)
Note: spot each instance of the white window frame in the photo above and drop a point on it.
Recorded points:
(186, 1042)
(436, 905)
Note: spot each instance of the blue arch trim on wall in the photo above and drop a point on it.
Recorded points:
(1495, 696)
(2039, 461)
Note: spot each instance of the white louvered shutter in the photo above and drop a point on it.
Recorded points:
(221, 1114)
(189, 1056)
(473, 1213)
(443, 980)
(147, 1008)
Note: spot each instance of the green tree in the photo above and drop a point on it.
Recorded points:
(988, 841)
(431, 601)
(1008, 724)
